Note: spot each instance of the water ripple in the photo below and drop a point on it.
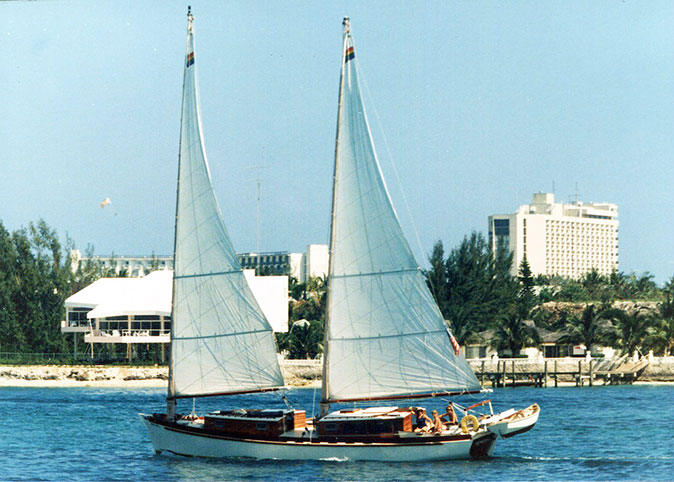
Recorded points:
(82, 434)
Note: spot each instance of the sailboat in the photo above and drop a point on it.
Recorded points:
(385, 338)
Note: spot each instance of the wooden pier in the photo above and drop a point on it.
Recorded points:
(518, 373)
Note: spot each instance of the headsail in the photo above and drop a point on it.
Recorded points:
(385, 336)
(220, 342)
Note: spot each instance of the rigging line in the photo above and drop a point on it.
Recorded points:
(393, 164)
(396, 335)
(375, 273)
(200, 275)
(221, 335)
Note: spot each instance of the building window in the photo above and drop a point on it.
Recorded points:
(78, 317)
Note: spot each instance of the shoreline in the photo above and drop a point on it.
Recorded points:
(59, 376)
(157, 383)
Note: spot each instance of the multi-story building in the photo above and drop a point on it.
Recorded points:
(301, 266)
(133, 266)
(559, 239)
(132, 311)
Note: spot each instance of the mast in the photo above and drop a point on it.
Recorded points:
(325, 404)
(170, 398)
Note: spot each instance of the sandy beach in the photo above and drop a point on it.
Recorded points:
(659, 371)
(120, 377)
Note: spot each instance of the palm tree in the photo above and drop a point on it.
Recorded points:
(305, 339)
(629, 329)
(617, 281)
(513, 332)
(668, 288)
(590, 328)
(593, 282)
(645, 285)
(660, 336)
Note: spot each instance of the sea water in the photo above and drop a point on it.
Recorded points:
(597, 433)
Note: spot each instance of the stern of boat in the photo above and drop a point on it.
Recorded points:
(483, 446)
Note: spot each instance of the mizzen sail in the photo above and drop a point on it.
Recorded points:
(385, 336)
(221, 342)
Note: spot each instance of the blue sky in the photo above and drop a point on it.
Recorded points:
(477, 104)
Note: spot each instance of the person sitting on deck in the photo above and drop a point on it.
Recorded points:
(438, 426)
(424, 423)
(450, 416)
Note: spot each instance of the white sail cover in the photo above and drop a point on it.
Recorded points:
(221, 341)
(385, 334)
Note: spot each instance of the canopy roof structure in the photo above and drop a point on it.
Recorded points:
(150, 295)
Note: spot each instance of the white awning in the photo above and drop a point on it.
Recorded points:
(108, 297)
(152, 294)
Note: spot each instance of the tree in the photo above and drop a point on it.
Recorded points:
(594, 284)
(617, 282)
(307, 317)
(304, 339)
(572, 290)
(436, 277)
(590, 328)
(660, 336)
(513, 332)
(11, 335)
(644, 286)
(526, 298)
(86, 273)
(629, 329)
(43, 279)
(478, 288)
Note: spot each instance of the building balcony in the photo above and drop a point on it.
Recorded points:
(75, 326)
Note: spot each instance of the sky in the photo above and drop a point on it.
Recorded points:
(473, 107)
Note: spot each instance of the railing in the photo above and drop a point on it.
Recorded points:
(76, 323)
(107, 333)
(16, 357)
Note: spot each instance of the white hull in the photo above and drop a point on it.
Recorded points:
(183, 442)
(516, 422)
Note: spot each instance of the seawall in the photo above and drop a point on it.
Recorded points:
(297, 373)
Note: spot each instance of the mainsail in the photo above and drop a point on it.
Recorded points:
(385, 336)
(220, 341)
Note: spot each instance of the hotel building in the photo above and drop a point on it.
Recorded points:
(559, 239)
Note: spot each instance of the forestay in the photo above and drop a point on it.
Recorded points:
(385, 334)
(221, 341)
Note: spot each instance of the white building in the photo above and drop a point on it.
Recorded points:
(301, 266)
(138, 310)
(315, 262)
(135, 266)
(559, 239)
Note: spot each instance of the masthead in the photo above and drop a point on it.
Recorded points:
(347, 25)
(190, 17)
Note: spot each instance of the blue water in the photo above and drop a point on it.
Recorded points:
(599, 433)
